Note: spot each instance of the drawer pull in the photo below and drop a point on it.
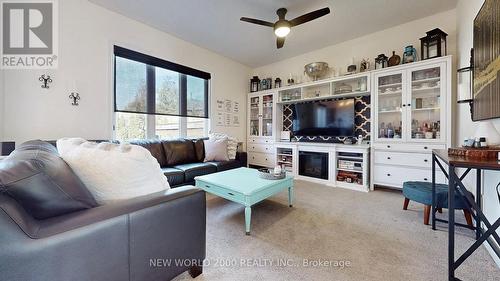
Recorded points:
(207, 186)
(266, 159)
(388, 158)
(388, 175)
(425, 160)
(388, 146)
(425, 147)
(232, 194)
(425, 179)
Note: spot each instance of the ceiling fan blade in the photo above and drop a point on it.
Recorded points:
(256, 21)
(280, 41)
(310, 16)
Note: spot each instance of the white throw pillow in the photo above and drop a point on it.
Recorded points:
(215, 150)
(113, 171)
(232, 143)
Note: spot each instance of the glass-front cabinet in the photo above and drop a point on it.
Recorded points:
(254, 116)
(261, 121)
(426, 111)
(390, 112)
(267, 115)
(409, 104)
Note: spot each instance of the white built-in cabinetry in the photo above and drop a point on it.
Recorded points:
(288, 155)
(411, 116)
(261, 128)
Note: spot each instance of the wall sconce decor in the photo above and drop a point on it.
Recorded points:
(464, 89)
(75, 98)
(45, 80)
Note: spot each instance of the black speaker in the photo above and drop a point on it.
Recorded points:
(7, 147)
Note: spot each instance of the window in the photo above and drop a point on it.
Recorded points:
(155, 98)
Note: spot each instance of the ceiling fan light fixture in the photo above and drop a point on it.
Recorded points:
(282, 31)
(281, 28)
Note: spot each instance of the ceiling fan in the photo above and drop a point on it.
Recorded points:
(282, 26)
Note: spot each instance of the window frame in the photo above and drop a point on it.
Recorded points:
(151, 63)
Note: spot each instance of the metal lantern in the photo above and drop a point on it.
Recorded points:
(277, 83)
(410, 54)
(381, 61)
(254, 84)
(433, 45)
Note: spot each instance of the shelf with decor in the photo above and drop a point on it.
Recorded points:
(338, 87)
(285, 157)
(351, 170)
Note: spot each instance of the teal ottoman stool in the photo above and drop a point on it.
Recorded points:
(421, 192)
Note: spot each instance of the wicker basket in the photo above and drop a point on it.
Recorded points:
(269, 174)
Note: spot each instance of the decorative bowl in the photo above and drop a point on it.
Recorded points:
(316, 70)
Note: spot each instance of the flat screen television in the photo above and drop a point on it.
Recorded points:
(324, 118)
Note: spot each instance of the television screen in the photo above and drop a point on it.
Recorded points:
(324, 118)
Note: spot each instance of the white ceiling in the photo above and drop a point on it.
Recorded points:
(215, 24)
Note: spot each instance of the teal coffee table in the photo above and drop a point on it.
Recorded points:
(244, 186)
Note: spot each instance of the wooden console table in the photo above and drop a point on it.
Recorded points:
(455, 185)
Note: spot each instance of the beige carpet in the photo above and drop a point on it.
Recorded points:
(369, 232)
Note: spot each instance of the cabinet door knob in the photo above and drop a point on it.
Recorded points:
(409, 104)
(425, 160)
(388, 146)
(388, 158)
(425, 147)
(404, 105)
(388, 175)
(425, 179)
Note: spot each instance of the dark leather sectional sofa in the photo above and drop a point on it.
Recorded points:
(52, 229)
(182, 160)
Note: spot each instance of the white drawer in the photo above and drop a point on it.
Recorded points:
(261, 159)
(423, 160)
(259, 140)
(262, 148)
(396, 176)
(405, 147)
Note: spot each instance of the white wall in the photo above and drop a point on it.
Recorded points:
(86, 35)
(466, 12)
(368, 46)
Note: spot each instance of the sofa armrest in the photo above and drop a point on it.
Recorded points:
(242, 157)
(75, 220)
